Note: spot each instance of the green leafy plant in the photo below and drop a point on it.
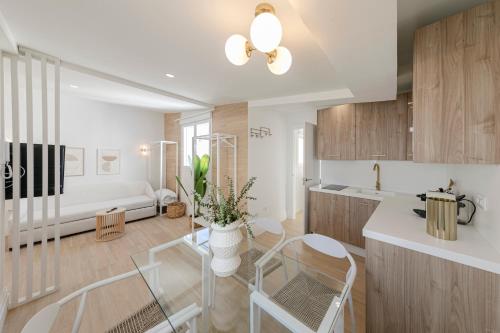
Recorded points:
(200, 170)
(225, 209)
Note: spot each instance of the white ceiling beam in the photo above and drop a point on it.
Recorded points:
(114, 78)
(7, 41)
(331, 95)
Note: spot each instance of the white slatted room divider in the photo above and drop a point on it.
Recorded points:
(30, 262)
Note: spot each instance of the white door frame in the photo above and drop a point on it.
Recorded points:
(291, 190)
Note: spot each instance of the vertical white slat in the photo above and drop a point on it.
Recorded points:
(161, 175)
(235, 163)
(2, 182)
(29, 175)
(57, 173)
(45, 174)
(14, 232)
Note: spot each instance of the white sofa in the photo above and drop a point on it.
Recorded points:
(79, 204)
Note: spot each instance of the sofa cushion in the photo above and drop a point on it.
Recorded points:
(88, 210)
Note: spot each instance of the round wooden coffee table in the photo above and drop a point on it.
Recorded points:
(109, 224)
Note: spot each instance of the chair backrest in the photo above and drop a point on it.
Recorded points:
(43, 320)
(266, 224)
(332, 248)
(326, 245)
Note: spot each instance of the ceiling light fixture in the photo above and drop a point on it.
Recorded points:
(74, 86)
(265, 35)
(170, 75)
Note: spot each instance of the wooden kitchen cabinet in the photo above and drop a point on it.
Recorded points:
(381, 129)
(409, 129)
(340, 217)
(371, 132)
(455, 88)
(329, 214)
(409, 291)
(360, 211)
(336, 133)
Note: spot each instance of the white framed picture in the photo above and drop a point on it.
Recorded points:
(108, 161)
(74, 162)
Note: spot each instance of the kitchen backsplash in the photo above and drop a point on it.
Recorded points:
(399, 176)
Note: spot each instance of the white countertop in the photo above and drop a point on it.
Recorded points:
(395, 223)
(352, 191)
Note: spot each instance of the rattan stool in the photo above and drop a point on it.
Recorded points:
(109, 225)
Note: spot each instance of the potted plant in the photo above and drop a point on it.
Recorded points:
(200, 168)
(226, 213)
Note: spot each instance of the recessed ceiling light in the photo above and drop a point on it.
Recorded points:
(74, 86)
(170, 75)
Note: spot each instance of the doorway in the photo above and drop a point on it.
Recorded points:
(298, 174)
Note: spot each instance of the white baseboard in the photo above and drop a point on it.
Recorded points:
(4, 305)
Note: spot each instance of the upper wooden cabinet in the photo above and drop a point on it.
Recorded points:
(381, 130)
(364, 131)
(336, 133)
(409, 129)
(456, 88)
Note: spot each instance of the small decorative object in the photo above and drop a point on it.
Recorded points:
(260, 132)
(74, 161)
(176, 210)
(108, 161)
(225, 215)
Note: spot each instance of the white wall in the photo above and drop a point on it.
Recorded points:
(398, 176)
(270, 159)
(267, 162)
(91, 125)
(483, 180)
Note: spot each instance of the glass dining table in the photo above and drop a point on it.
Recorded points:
(179, 277)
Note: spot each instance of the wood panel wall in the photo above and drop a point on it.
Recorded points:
(408, 291)
(172, 132)
(233, 119)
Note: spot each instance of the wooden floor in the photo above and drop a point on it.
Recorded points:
(84, 261)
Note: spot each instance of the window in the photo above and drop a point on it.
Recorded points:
(202, 146)
(187, 140)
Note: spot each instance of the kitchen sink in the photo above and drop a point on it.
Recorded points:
(369, 191)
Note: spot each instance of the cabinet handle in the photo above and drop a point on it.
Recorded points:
(333, 155)
(378, 155)
(364, 204)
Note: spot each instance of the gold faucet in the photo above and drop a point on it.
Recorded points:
(376, 167)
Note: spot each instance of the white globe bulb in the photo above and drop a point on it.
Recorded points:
(282, 62)
(265, 32)
(236, 50)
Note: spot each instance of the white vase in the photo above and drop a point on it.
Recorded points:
(225, 244)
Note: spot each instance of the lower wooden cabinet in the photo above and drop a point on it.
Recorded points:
(360, 211)
(340, 217)
(408, 291)
(329, 214)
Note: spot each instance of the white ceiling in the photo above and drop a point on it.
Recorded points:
(337, 45)
(89, 86)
